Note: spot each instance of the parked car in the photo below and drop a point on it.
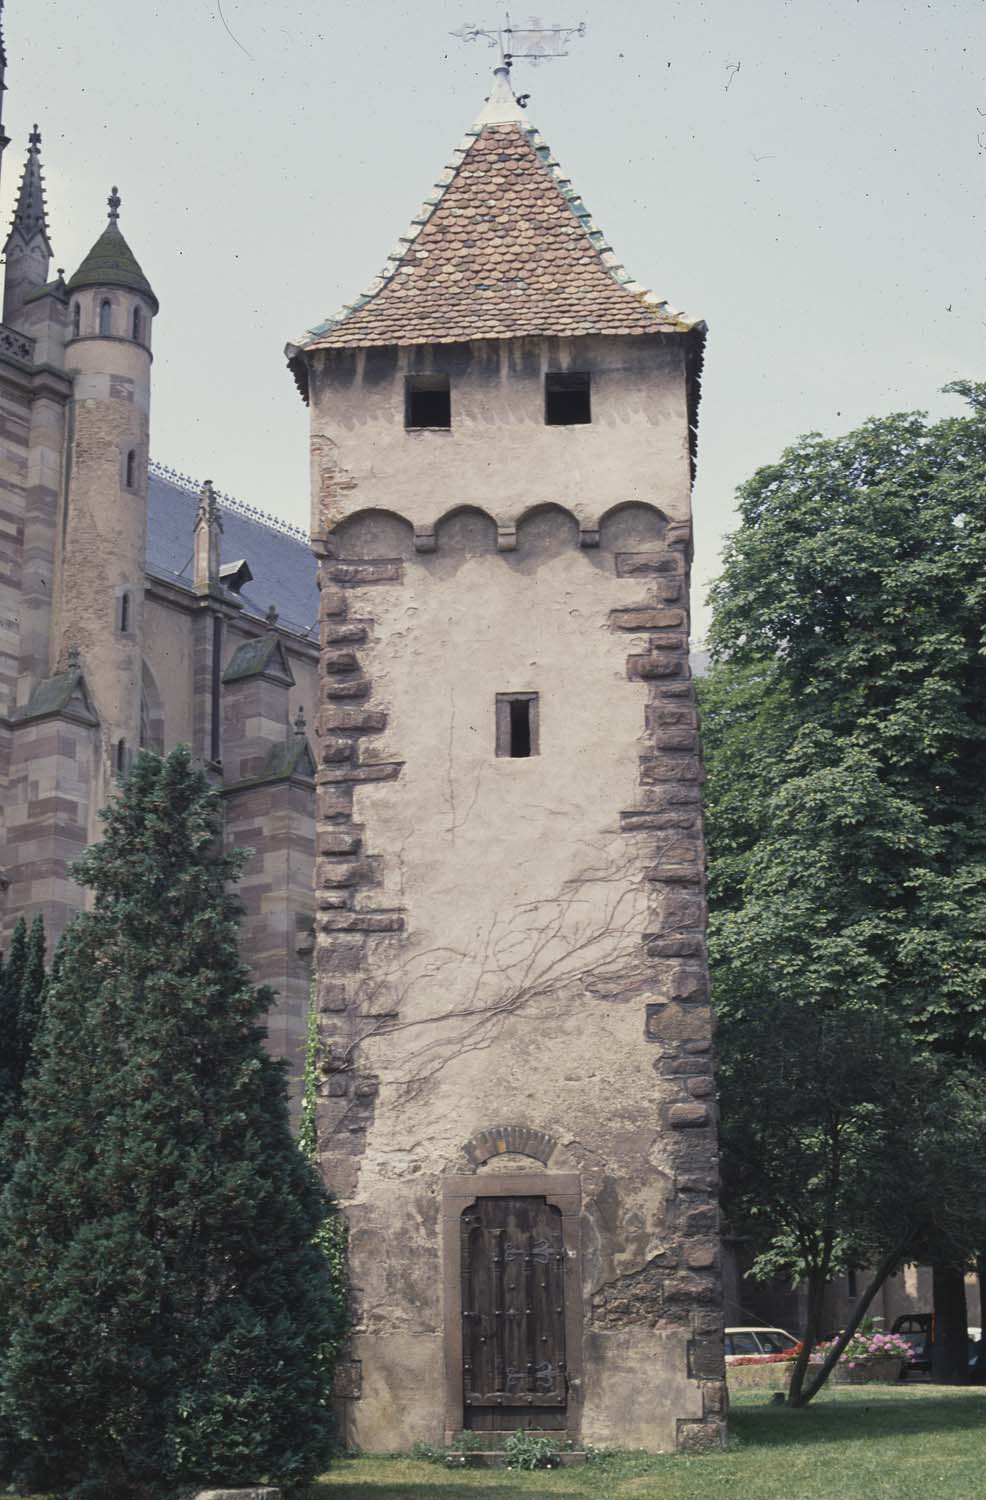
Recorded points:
(759, 1343)
(918, 1330)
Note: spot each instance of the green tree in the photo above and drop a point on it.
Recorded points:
(169, 1306)
(22, 979)
(843, 725)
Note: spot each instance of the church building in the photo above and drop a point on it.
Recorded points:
(138, 609)
(517, 1109)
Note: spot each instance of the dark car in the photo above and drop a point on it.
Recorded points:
(916, 1329)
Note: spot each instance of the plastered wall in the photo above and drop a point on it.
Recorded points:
(498, 453)
(517, 942)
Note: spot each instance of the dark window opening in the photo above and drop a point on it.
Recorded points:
(76, 320)
(124, 612)
(427, 401)
(131, 469)
(138, 325)
(566, 400)
(105, 313)
(121, 757)
(517, 725)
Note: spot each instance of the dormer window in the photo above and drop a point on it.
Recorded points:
(566, 400)
(138, 326)
(76, 319)
(427, 401)
(105, 314)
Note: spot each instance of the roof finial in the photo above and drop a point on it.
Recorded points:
(208, 511)
(300, 727)
(271, 617)
(73, 661)
(114, 200)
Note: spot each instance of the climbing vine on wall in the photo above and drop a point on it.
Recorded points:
(331, 1235)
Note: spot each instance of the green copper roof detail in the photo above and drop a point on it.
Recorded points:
(262, 656)
(111, 262)
(64, 693)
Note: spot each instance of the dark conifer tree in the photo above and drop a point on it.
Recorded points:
(169, 1305)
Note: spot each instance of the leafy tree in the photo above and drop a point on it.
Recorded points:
(169, 1306)
(844, 725)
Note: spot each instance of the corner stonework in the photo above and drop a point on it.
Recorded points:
(684, 1283)
(345, 926)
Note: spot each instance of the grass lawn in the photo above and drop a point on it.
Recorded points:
(921, 1441)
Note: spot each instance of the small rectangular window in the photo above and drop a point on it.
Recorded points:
(427, 401)
(566, 400)
(517, 725)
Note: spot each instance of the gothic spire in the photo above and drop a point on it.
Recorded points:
(30, 220)
(4, 138)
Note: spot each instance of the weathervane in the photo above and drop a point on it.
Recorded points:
(534, 43)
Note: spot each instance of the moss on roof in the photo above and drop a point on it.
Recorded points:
(111, 262)
(261, 656)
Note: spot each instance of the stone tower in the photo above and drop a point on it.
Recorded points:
(518, 1105)
(100, 585)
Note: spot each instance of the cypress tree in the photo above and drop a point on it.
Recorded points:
(12, 967)
(169, 1305)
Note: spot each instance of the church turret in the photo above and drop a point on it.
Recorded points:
(28, 249)
(101, 580)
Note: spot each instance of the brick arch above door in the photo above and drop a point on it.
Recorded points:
(513, 1140)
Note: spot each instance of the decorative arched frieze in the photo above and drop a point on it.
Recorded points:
(373, 534)
(632, 526)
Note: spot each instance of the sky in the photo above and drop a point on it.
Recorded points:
(809, 178)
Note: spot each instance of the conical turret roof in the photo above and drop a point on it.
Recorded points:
(111, 262)
(503, 248)
(30, 221)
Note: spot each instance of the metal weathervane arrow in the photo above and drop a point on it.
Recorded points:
(533, 43)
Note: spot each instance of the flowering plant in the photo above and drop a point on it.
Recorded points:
(864, 1348)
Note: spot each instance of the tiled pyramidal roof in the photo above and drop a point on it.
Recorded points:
(503, 248)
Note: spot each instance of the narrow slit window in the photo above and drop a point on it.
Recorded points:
(124, 613)
(121, 757)
(566, 400)
(105, 315)
(138, 325)
(131, 471)
(427, 401)
(76, 319)
(517, 725)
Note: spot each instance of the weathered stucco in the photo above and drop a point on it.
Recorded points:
(499, 454)
(510, 949)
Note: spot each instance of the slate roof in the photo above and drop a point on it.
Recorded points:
(279, 555)
(504, 248)
(111, 262)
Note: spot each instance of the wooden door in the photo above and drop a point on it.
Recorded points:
(513, 1315)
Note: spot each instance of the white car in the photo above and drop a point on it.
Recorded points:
(746, 1343)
